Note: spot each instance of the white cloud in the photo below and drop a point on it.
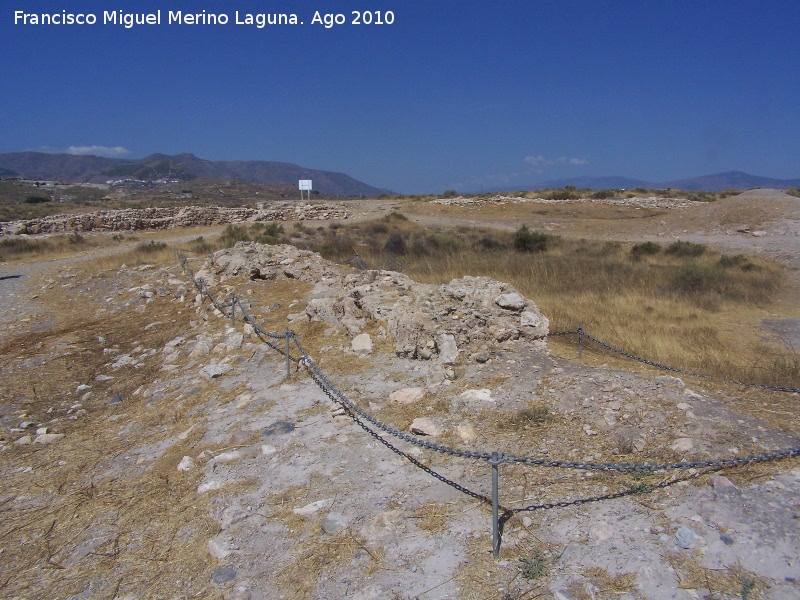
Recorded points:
(106, 151)
(539, 162)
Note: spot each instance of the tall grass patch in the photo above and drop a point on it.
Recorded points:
(682, 304)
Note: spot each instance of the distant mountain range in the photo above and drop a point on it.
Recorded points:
(736, 180)
(69, 168)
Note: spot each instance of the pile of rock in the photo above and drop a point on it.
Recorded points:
(637, 201)
(463, 317)
(135, 219)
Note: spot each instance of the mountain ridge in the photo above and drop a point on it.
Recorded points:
(71, 168)
(716, 182)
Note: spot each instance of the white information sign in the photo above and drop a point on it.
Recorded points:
(305, 184)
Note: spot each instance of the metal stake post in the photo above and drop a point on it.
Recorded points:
(288, 367)
(580, 340)
(495, 506)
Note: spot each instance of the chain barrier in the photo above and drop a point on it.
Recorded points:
(582, 334)
(356, 259)
(361, 418)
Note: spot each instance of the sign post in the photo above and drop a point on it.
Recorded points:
(305, 184)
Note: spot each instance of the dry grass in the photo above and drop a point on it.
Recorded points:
(72, 522)
(732, 582)
(698, 311)
(323, 555)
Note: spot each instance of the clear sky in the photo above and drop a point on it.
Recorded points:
(453, 94)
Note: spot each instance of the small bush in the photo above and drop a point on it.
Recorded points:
(377, 228)
(234, 233)
(200, 245)
(603, 194)
(535, 415)
(36, 200)
(488, 243)
(75, 238)
(450, 194)
(396, 244)
(531, 241)
(534, 566)
(680, 248)
(151, 247)
(645, 249)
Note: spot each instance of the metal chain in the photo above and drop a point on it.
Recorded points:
(607, 346)
(338, 397)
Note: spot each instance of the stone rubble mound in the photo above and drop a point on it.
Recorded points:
(134, 219)
(637, 201)
(426, 321)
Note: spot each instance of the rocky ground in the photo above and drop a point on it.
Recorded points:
(153, 448)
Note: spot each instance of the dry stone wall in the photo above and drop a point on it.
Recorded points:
(135, 219)
(455, 321)
(637, 201)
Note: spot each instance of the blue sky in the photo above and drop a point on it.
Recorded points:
(453, 94)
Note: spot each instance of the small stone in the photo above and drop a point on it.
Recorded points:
(448, 349)
(511, 301)
(682, 445)
(686, 538)
(424, 426)
(726, 539)
(529, 319)
(223, 574)
(722, 485)
(482, 356)
(406, 395)
(87, 397)
(333, 523)
(278, 428)
(208, 487)
(268, 450)
(466, 432)
(82, 388)
(310, 509)
(684, 406)
(527, 522)
(217, 549)
(362, 344)
(24, 441)
(483, 395)
(213, 371)
(186, 464)
(425, 353)
(41, 430)
(226, 457)
(48, 438)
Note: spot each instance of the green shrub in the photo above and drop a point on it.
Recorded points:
(450, 194)
(396, 244)
(681, 248)
(534, 566)
(36, 200)
(531, 241)
(488, 243)
(151, 247)
(75, 238)
(644, 249)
